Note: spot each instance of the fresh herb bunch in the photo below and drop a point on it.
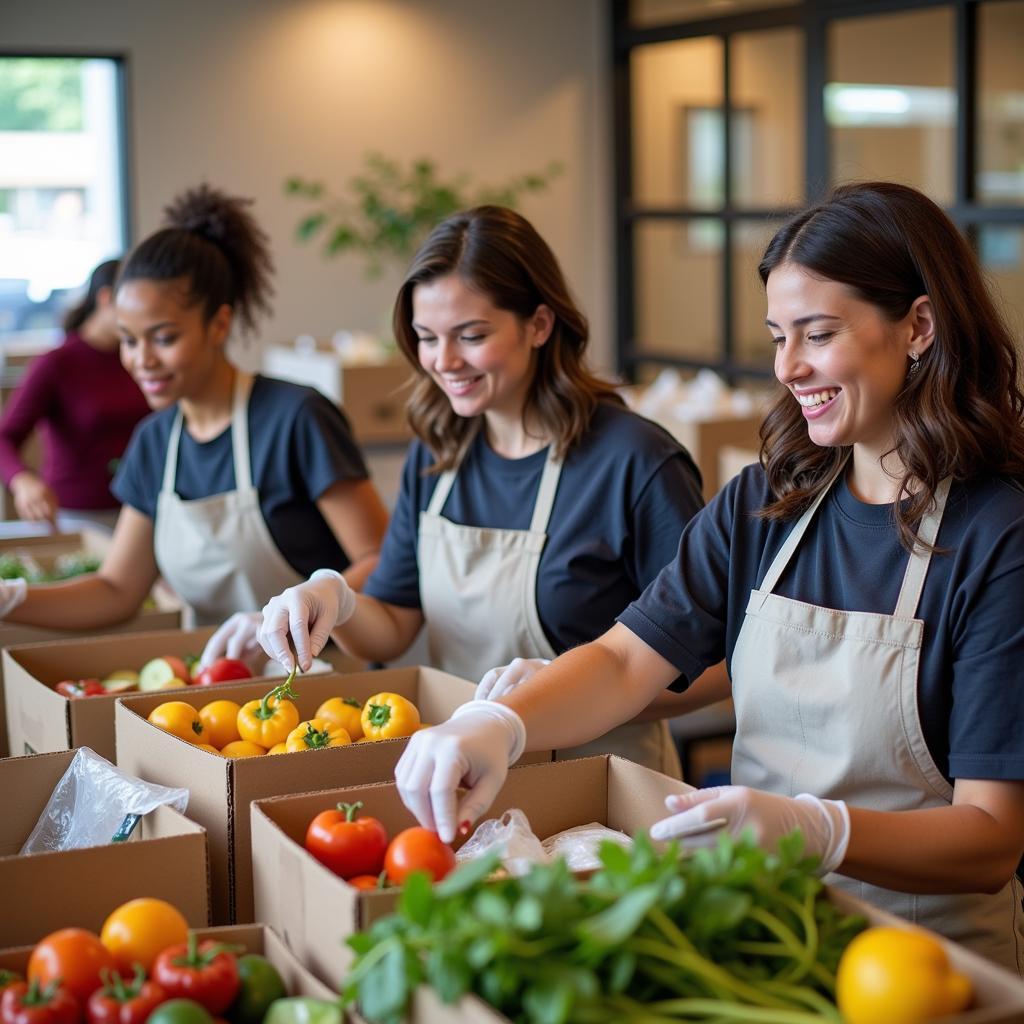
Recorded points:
(64, 568)
(393, 208)
(730, 934)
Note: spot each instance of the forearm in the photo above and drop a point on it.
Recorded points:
(359, 571)
(90, 602)
(961, 848)
(378, 631)
(710, 687)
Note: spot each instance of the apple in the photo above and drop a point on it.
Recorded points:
(163, 673)
(121, 681)
(223, 670)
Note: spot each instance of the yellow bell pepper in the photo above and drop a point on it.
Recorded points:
(316, 734)
(387, 716)
(180, 719)
(242, 748)
(268, 721)
(343, 711)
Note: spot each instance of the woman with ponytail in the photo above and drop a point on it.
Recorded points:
(86, 405)
(235, 486)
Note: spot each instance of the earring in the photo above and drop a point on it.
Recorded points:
(915, 364)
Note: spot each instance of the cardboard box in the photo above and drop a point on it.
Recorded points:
(253, 938)
(222, 788)
(372, 396)
(40, 719)
(45, 549)
(705, 439)
(165, 857)
(606, 789)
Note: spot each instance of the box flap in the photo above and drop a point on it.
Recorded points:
(25, 787)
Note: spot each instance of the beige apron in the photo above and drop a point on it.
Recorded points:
(826, 703)
(216, 553)
(478, 591)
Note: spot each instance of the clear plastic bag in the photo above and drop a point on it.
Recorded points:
(579, 845)
(96, 803)
(512, 836)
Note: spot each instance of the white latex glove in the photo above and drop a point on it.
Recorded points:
(236, 637)
(307, 611)
(12, 593)
(505, 678)
(473, 749)
(825, 823)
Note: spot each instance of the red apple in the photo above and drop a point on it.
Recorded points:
(223, 670)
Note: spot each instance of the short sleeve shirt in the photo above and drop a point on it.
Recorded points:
(300, 445)
(625, 493)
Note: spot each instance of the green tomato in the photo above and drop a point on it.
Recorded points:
(180, 1011)
(261, 985)
(301, 1010)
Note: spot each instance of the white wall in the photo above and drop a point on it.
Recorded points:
(243, 93)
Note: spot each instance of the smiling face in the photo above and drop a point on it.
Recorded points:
(839, 356)
(166, 344)
(480, 356)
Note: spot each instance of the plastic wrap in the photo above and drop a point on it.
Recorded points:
(512, 836)
(579, 845)
(96, 803)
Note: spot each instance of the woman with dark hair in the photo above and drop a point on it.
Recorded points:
(864, 583)
(235, 486)
(87, 406)
(533, 505)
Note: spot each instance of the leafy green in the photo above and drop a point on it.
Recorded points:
(64, 567)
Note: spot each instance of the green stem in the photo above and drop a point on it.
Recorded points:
(698, 1009)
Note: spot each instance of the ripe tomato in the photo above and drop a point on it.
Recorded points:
(345, 844)
(223, 670)
(220, 722)
(73, 955)
(418, 849)
(140, 929)
(367, 883)
(180, 719)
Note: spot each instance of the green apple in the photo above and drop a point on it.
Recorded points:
(128, 674)
(164, 673)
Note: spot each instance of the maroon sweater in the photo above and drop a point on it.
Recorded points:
(87, 406)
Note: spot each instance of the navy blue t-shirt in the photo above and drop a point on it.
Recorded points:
(625, 493)
(971, 673)
(300, 445)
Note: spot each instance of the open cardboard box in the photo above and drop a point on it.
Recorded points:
(45, 549)
(313, 910)
(165, 857)
(40, 719)
(223, 788)
(253, 938)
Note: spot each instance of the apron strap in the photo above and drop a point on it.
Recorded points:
(921, 556)
(240, 431)
(781, 560)
(546, 493)
(171, 461)
(441, 492)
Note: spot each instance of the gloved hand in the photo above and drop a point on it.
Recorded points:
(308, 611)
(236, 637)
(825, 823)
(505, 678)
(12, 593)
(474, 749)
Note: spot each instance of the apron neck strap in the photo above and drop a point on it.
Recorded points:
(239, 437)
(921, 556)
(441, 492)
(781, 560)
(546, 492)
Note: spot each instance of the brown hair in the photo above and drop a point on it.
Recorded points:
(960, 414)
(499, 253)
(211, 241)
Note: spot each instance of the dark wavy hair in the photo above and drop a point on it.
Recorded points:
(960, 414)
(102, 277)
(210, 241)
(500, 254)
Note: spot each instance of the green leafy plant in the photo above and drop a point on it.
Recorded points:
(392, 207)
(730, 934)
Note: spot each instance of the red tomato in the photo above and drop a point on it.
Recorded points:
(365, 882)
(202, 971)
(223, 670)
(345, 844)
(418, 849)
(73, 955)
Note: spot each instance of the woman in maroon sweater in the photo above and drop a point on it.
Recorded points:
(87, 405)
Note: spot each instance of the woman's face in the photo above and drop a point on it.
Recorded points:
(840, 358)
(166, 344)
(480, 356)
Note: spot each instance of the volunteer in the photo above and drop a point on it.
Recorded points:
(533, 505)
(235, 486)
(86, 405)
(864, 582)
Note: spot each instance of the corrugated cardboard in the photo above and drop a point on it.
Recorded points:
(39, 719)
(222, 789)
(45, 549)
(166, 857)
(371, 395)
(705, 439)
(253, 938)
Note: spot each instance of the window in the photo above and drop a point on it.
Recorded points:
(731, 116)
(62, 188)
